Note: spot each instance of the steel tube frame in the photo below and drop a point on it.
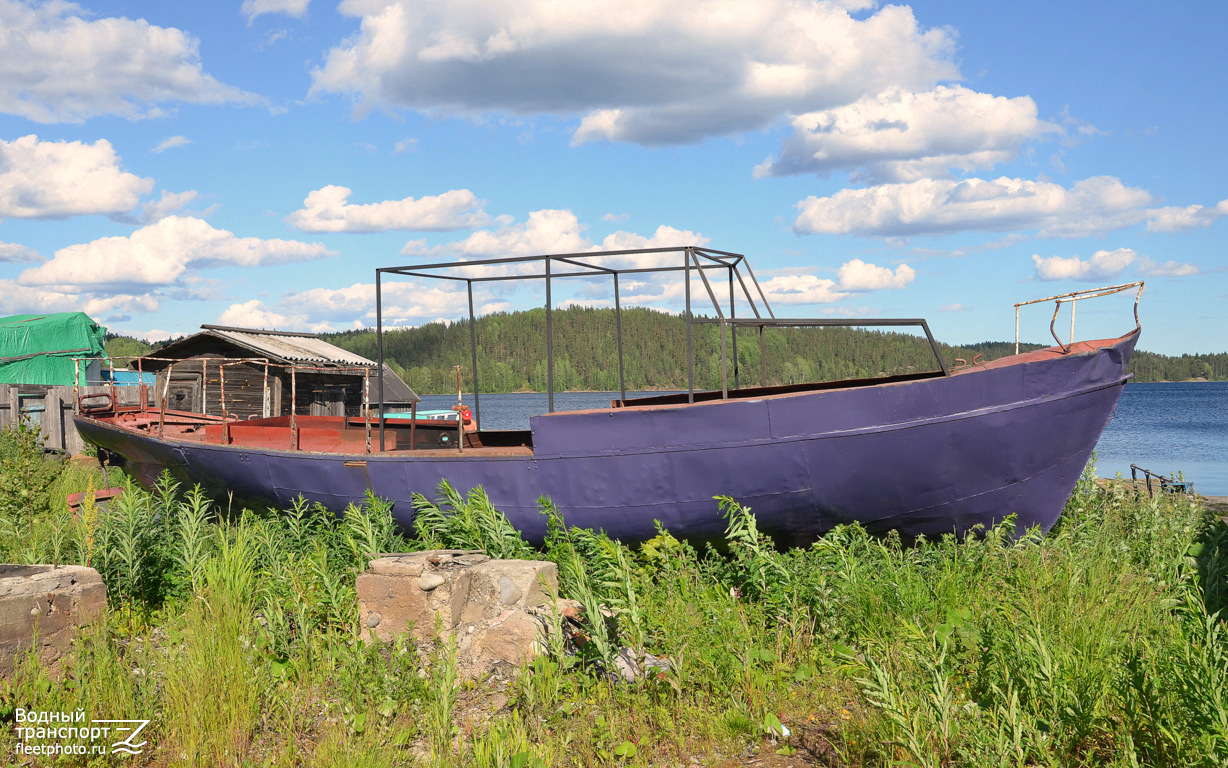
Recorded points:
(690, 352)
(379, 344)
(473, 348)
(579, 265)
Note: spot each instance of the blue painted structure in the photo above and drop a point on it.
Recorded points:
(926, 456)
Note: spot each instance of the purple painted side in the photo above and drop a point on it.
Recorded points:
(923, 457)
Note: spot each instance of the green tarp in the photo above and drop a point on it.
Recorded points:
(38, 349)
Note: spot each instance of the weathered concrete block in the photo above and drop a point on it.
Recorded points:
(491, 608)
(50, 601)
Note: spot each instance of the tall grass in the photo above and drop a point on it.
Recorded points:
(236, 632)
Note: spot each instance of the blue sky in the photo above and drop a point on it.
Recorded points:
(164, 165)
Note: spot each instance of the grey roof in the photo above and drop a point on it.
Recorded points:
(395, 389)
(289, 346)
(293, 348)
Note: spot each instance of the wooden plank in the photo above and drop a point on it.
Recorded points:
(6, 414)
(52, 423)
(14, 405)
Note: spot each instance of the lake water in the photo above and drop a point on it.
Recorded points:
(1163, 427)
(1168, 428)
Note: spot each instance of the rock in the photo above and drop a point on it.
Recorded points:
(50, 600)
(630, 665)
(430, 581)
(492, 609)
(509, 593)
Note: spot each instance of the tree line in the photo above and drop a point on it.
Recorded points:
(512, 353)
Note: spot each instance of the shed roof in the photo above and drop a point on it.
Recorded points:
(293, 348)
(287, 346)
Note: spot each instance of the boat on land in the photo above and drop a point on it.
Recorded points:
(923, 453)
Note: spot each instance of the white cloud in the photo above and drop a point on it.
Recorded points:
(1150, 268)
(664, 237)
(1103, 265)
(1176, 219)
(58, 179)
(901, 136)
(12, 252)
(405, 145)
(942, 206)
(170, 143)
(16, 299)
(169, 203)
(325, 309)
(852, 277)
(58, 66)
(802, 289)
(151, 335)
(253, 8)
(161, 255)
(327, 210)
(856, 275)
(545, 231)
(556, 231)
(120, 304)
(253, 314)
(635, 70)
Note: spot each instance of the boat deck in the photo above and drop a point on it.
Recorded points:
(326, 434)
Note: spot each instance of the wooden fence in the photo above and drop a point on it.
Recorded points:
(51, 408)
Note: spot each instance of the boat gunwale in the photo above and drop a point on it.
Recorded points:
(510, 453)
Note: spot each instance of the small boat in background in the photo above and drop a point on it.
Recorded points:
(924, 454)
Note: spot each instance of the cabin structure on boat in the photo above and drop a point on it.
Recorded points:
(255, 373)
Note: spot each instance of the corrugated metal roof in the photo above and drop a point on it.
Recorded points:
(285, 346)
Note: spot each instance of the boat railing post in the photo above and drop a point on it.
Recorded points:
(293, 410)
(114, 386)
(76, 383)
(413, 426)
(724, 365)
(1016, 329)
(204, 386)
(166, 386)
(762, 359)
(733, 330)
(473, 347)
(690, 352)
(1057, 307)
(942, 364)
(143, 391)
(618, 332)
(716, 305)
(1074, 303)
(549, 346)
(366, 404)
(266, 405)
(379, 345)
(221, 377)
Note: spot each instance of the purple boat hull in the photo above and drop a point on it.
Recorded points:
(924, 457)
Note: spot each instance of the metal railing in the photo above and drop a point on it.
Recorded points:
(1167, 484)
(1073, 299)
(202, 365)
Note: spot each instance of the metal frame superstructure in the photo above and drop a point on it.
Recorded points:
(694, 259)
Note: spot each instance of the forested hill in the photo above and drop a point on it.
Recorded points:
(512, 353)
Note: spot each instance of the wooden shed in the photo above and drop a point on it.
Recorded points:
(251, 373)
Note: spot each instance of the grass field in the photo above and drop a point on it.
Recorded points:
(236, 634)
